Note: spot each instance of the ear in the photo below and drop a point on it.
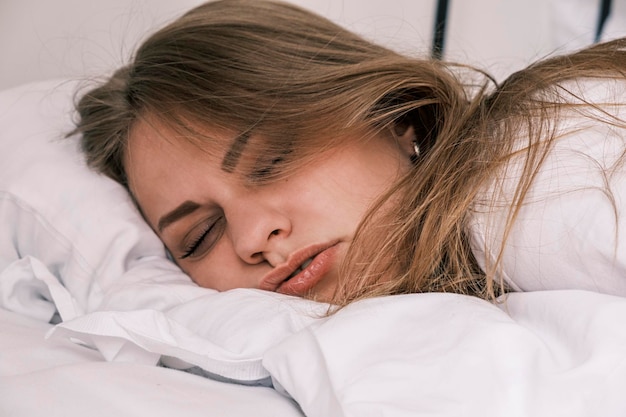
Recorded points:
(404, 133)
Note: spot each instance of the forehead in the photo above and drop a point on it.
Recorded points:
(163, 165)
(150, 138)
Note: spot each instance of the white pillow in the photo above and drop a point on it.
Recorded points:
(72, 240)
(69, 222)
(570, 232)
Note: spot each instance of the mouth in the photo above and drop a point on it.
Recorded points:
(303, 270)
(300, 269)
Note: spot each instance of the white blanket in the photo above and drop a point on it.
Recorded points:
(539, 354)
(536, 354)
(72, 242)
(55, 378)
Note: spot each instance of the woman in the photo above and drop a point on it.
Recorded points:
(269, 148)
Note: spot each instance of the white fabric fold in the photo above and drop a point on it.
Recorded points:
(29, 288)
(225, 334)
(538, 354)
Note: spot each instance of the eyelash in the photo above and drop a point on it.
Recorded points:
(269, 167)
(193, 246)
(266, 171)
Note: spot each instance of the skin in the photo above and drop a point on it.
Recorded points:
(259, 233)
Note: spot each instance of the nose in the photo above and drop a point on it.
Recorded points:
(256, 231)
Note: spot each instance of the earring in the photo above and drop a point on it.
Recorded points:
(416, 153)
(416, 149)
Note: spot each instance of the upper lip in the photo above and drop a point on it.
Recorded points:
(272, 280)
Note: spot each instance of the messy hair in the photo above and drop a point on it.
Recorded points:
(304, 82)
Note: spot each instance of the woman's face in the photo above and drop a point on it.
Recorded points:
(288, 235)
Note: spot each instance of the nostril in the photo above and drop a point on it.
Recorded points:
(257, 257)
(274, 232)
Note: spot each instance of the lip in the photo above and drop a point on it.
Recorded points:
(323, 259)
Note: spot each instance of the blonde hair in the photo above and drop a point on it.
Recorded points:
(302, 81)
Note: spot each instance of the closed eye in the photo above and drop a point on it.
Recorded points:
(205, 238)
(266, 170)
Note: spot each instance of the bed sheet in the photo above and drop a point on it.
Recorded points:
(534, 354)
(545, 353)
(541, 353)
(42, 377)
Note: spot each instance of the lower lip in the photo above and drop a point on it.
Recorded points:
(302, 284)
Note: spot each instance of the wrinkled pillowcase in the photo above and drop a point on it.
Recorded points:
(79, 227)
(73, 241)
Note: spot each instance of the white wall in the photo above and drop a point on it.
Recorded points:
(41, 39)
(506, 35)
(405, 25)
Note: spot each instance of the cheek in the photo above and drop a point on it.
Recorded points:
(219, 271)
(331, 201)
(206, 275)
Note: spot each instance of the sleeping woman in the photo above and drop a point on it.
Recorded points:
(270, 148)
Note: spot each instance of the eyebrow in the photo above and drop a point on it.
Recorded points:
(178, 213)
(234, 153)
